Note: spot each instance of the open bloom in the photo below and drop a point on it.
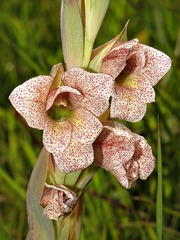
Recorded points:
(136, 68)
(125, 154)
(67, 114)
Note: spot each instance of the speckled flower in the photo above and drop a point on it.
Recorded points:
(136, 68)
(125, 154)
(67, 114)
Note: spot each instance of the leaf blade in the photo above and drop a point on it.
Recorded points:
(40, 227)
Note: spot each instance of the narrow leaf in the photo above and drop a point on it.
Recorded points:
(56, 72)
(71, 225)
(159, 208)
(95, 11)
(40, 227)
(86, 177)
(99, 53)
(120, 36)
(72, 33)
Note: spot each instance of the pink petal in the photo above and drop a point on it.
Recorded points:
(116, 143)
(93, 87)
(76, 156)
(113, 148)
(139, 87)
(115, 60)
(142, 163)
(29, 99)
(126, 106)
(56, 136)
(136, 59)
(143, 155)
(86, 127)
(157, 64)
(54, 93)
(125, 154)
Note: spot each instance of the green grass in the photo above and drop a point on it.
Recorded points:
(159, 202)
(30, 45)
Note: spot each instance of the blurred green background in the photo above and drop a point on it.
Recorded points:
(29, 46)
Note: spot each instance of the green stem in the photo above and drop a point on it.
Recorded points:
(88, 46)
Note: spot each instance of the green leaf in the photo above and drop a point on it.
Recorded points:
(96, 62)
(71, 225)
(12, 184)
(159, 204)
(86, 177)
(72, 33)
(95, 11)
(99, 53)
(56, 72)
(40, 227)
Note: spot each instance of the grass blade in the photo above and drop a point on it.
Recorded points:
(159, 203)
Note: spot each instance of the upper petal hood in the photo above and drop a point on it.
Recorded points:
(115, 60)
(157, 63)
(96, 88)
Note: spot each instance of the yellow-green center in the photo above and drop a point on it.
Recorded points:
(60, 113)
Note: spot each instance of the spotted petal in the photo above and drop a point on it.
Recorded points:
(144, 157)
(74, 94)
(56, 136)
(115, 60)
(116, 143)
(76, 156)
(29, 99)
(126, 106)
(157, 64)
(113, 148)
(86, 127)
(125, 154)
(96, 88)
(135, 68)
(141, 88)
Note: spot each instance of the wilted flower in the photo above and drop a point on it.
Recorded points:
(67, 114)
(57, 201)
(123, 153)
(136, 68)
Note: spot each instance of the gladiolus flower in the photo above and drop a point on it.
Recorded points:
(123, 153)
(67, 114)
(136, 68)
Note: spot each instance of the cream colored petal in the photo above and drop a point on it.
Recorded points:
(56, 136)
(125, 154)
(157, 64)
(144, 156)
(126, 106)
(77, 156)
(54, 93)
(137, 86)
(96, 88)
(29, 99)
(115, 60)
(86, 127)
(113, 148)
